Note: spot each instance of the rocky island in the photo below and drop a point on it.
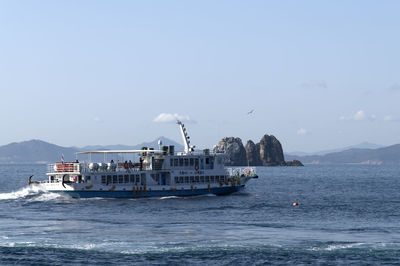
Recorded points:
(267, 152)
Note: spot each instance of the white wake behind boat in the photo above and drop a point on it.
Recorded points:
(156, 173)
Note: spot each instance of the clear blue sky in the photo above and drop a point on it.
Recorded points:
(318, 74)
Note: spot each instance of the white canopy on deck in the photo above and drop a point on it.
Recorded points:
(120, 151)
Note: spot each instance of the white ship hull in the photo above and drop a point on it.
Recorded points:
(84, 190)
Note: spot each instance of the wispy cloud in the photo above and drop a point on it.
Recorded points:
(391, 118)
(358, 116)
(388, 118)
(395, 88)
(171, 118)
(302, 132)
(315, 84)
(97, 119)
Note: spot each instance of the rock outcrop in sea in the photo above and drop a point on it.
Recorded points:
(252, 153)
(233, 147)
(267, 152)
(294, 163)
(271, 152)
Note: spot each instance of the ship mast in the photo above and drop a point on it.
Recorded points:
(185, 138)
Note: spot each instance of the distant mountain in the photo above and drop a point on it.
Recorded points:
(153, 144)
(363, 145)
(385, 155)
(34, 151)
(38, 151)
(165, 142)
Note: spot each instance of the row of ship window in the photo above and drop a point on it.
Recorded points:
(200, 179)
(178, 179)
(187, 161)
(120, 179)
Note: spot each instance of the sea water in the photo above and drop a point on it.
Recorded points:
(347, 214)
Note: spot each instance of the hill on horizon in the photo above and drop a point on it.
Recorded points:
(39, 151)
(151, 144)
(362, 145)
(385, 155)
(35, 151)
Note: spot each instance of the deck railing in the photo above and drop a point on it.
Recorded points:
(84, 167)
(242, 171)
(63, 167)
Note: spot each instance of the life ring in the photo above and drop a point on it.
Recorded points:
(196, 167)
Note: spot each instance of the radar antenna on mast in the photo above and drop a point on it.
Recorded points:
(185, 138)
(159, 144)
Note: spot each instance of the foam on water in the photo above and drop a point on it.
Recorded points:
(31, 193)
(169, 197)
(193, 197)
(23, 193)
(126, 248)
(87, 246)
(337, 246)
(358, 245)
(47, 196)
(205, 195)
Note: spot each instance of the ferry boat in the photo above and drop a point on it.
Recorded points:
(154, 173)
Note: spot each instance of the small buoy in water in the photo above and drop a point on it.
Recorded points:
(295, 203)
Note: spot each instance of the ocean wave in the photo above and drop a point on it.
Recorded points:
(169, 197)
(337, 246)
(124, 247)
(201, 196)
(47, 196)
(121, 252)
(89, 254)
(357, 245)
(30, 193)
(198, 248)
(25, 192)
(86, 246)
